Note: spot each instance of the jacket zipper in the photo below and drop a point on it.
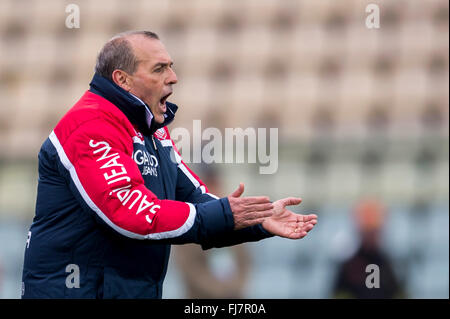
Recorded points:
(154, 144)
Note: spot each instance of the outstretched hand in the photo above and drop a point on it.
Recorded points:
(285, 223)
(249, 211)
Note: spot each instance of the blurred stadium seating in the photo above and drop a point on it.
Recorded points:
(361, 112)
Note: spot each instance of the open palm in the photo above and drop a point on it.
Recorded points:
(285, 223)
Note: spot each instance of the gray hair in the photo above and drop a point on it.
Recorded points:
(117, 53)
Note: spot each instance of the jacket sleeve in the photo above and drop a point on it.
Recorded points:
(192, 189)
(97, 159)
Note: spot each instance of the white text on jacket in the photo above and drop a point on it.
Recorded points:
(115, 175)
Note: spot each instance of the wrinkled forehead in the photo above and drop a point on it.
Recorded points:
(149, 50)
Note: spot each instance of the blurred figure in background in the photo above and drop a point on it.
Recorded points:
(351, 276)
(203, 281)
(197, 267)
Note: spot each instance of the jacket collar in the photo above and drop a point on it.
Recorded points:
(137, 112)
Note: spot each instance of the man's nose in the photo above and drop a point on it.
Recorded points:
(172, 78)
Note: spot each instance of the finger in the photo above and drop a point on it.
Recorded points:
(294, 224)
(297, 234)
(307, 218)
(261, 214)
(308, 227)
(260, 207)
(301, 233)
(289, 201)
(238, 192)
(312, 222)
(255, 200)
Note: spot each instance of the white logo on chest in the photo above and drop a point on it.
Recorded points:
(148, 162)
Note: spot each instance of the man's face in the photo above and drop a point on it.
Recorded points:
(152, 81)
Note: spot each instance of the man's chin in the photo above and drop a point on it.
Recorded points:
(159, 119)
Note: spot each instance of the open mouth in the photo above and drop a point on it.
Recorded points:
(163, 100)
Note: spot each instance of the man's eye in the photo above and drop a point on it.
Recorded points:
(158, 70)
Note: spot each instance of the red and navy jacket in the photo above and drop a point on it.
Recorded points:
(113, 195)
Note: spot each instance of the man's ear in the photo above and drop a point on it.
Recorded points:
(122, 79)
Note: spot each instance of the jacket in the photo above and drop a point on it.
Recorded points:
(113, 195)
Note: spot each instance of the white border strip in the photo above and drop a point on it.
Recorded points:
(195, 181)
(205, 192)
(73, 174)
(189, 175)
(169, 142)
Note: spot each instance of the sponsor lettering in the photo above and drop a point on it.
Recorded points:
(116, 175)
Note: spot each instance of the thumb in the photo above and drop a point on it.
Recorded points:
(291, 201)
(238, 192)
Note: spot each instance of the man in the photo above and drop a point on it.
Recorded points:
(114, 193)
(352, 277)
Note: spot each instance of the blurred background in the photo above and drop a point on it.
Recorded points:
(362, 116)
